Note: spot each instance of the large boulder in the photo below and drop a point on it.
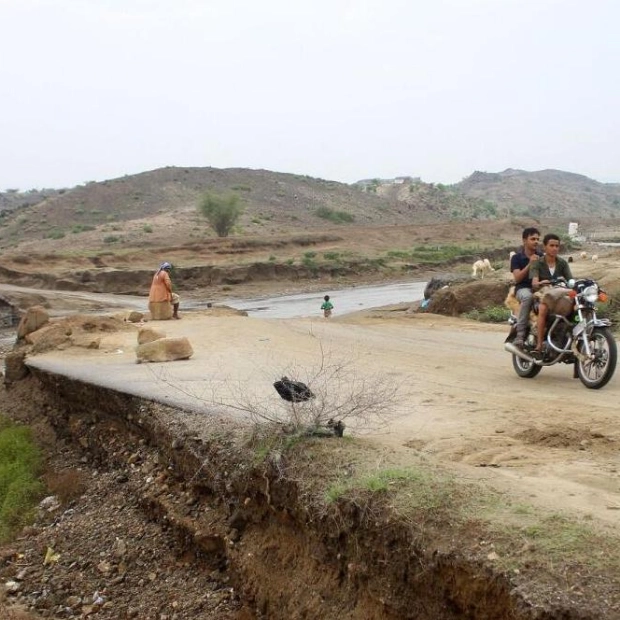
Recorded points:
(164, 350)
(34, 319)
(473, 295)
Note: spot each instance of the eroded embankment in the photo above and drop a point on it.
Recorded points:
(251, 518)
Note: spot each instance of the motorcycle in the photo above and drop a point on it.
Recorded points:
(575, 337)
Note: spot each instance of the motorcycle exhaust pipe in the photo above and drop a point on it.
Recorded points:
(508, 346)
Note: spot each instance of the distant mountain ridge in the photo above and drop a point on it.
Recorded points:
(135, 207)
(544, 193)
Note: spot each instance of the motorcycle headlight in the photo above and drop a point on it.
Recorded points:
(590, 293)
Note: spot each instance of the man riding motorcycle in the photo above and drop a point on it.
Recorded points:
(520, 264)
(564, 328)
(544, 272)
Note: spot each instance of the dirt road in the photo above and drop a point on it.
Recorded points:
(547, 441)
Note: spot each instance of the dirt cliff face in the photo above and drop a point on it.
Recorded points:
(158, 522)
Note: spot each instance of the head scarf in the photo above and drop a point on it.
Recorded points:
(164, 266)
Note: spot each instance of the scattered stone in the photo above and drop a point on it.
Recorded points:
(21, 575)
(87, 342)
(164, 350)
(135, 317)
(50, 503)
(120, 548)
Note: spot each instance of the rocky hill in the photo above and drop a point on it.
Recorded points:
(435, 202)
(543, 194)
(136, 206)
(159, 208)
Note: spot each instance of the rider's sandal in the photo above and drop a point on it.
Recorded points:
(537, 355)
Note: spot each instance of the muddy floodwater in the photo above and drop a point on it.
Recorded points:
(281, 307)
(344, 300)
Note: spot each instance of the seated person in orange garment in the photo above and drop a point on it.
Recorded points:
(161, 289)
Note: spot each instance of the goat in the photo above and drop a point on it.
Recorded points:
(584, 255)
(481, 267)
(594, 257)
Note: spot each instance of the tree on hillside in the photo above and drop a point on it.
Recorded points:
(222, 211)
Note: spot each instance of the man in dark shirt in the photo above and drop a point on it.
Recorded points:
(520, 267)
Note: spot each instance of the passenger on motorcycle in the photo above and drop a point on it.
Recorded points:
(544, 273)
(520, 264)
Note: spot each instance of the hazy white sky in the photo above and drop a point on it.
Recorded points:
(340, 89)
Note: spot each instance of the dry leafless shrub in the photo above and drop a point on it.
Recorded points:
(341, 394)
(363, 401)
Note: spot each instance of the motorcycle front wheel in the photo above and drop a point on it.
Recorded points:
(596, 372)
(525, 369)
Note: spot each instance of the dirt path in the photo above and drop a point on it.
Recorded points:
(547, 441)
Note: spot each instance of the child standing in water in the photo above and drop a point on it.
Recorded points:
(327, 307)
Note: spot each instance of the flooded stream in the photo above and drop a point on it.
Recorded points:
(344, 300)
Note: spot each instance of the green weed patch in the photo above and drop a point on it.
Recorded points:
(20, 488)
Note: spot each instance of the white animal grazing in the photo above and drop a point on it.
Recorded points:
(594, 257)
(584, 255)
(481, 267)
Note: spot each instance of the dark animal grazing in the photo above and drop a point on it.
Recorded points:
(570, 259)
(293, 391)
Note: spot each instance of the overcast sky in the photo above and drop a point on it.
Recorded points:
(339, 89)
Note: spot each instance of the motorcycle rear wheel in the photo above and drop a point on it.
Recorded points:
(525, 369)
(596, 373)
